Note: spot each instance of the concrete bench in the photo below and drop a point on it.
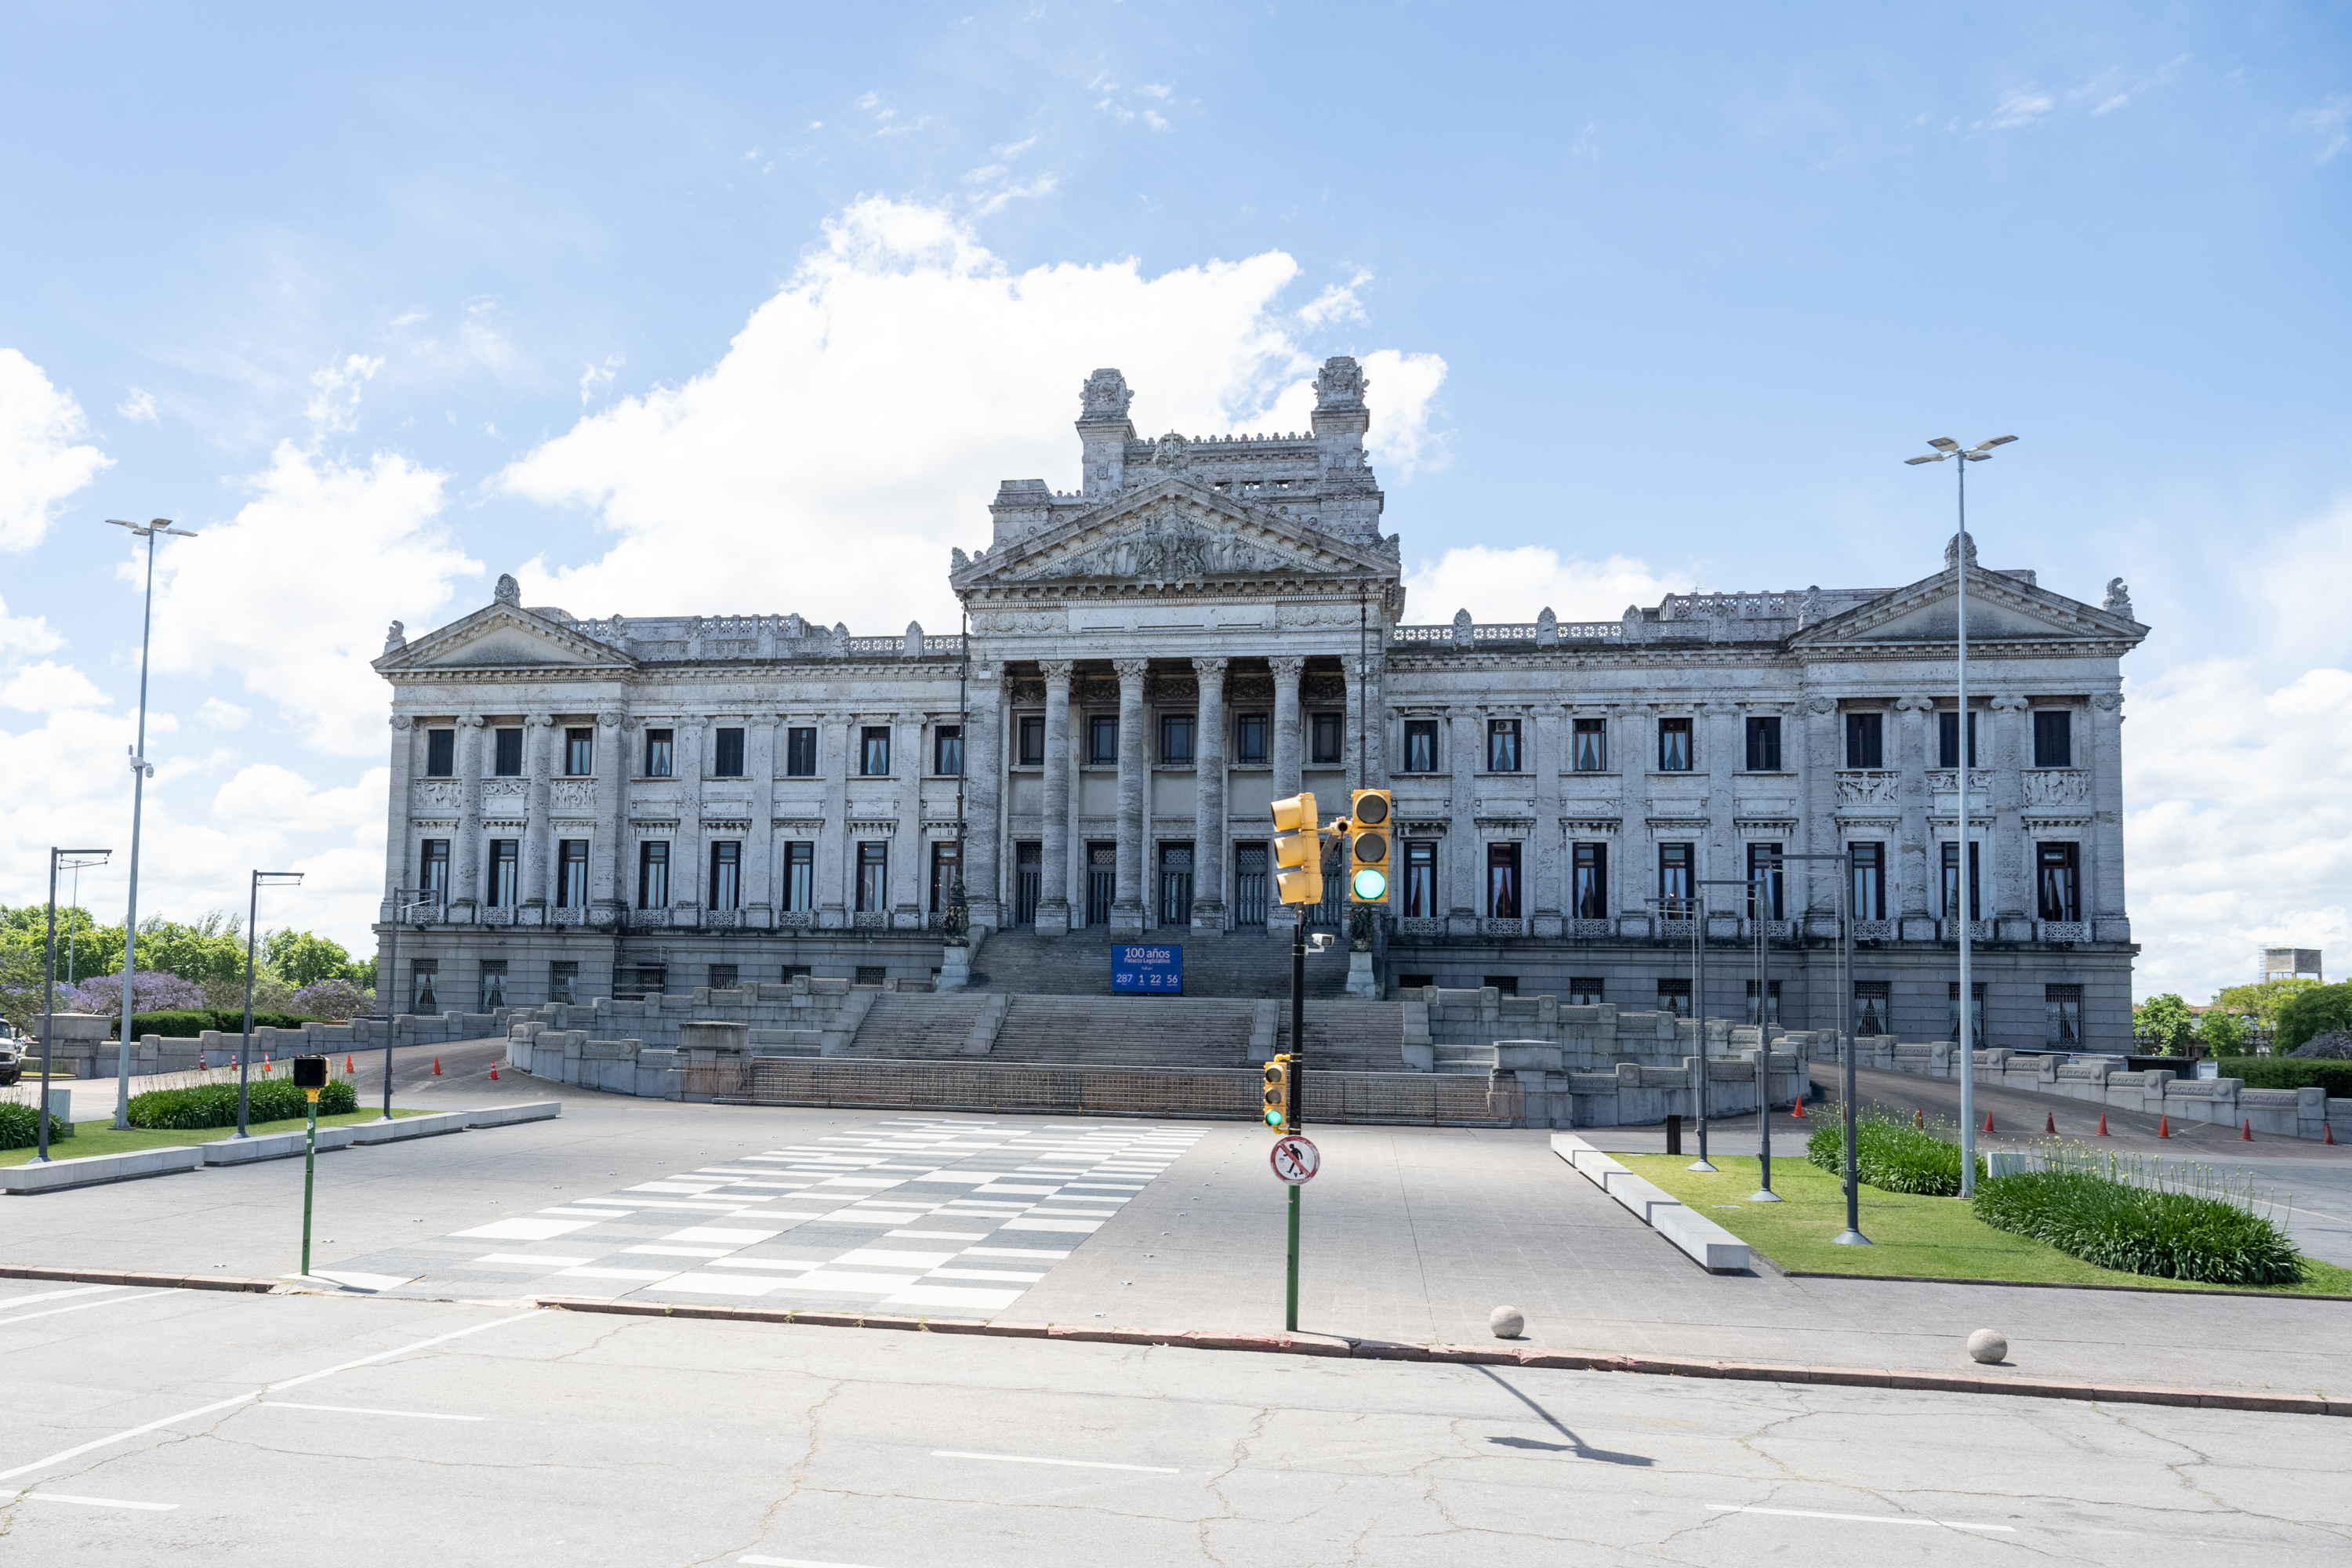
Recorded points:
(1707, 1244)
(272, 1146)
(508, 1115)
(90, 1170)
(370, 1133)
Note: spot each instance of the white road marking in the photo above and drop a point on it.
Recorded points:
(647, 1274)
(77, 1306)
(675, 1251)
(884, 1257)
(96, 1501)
(795, 1562)
(231, 1403)
(939, 1234)
(535, 1257)
(719, 1233)
(525, 1229)
(767, 1263)
(366, 1410)
(14, 1302)
(1078, 1463)
(1010, 1252)
(1860, 1517)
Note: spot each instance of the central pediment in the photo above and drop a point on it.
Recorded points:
(1171, 532)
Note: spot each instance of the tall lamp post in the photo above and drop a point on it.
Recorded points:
(244, 1046)
(387, 986)
(140, 772)
(1947, 447)
(1669, 909)
(1851, 1235)
(73, 860)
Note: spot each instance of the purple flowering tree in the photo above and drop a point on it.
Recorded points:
(151, 991)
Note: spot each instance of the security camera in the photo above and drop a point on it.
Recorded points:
(1320, 942)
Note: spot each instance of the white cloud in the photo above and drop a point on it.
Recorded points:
(1012, 150)
(1403, 388)
(46, 687)
(1042, 185)
(857, 425)
(334, 405)
(293, 593)
(2106, 106)
(2330, 124)
(2022, 107)
(40, 464)
(25, 633)
(1515, 585)
(266, 796)
(139, 407)
(218, 714)
(1335, 303)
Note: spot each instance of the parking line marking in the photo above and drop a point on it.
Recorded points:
(96, 1501)
(1028, 1459)
(80, 1307)
(1860, 1517)
(366, 1410)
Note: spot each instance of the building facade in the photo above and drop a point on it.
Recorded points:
(1202, 625)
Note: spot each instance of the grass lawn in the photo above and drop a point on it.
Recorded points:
(99, 1137)
(1934, 1236)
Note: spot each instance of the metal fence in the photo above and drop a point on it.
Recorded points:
(1434, 1100)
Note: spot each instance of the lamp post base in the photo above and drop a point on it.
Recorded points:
(1851, 1238)
(1700, 1164)
(1765, 1195)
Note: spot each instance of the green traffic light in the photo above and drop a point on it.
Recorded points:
(1372, 884)
(1273, 1118)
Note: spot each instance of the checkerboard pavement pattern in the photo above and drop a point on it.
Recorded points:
(924, 1215)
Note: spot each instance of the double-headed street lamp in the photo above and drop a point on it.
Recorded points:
(244, 1047)
(140, 772)
(1947, 447)
(70, 859)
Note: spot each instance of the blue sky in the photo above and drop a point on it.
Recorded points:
(747, 309)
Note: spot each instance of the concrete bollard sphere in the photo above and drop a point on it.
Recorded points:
(1986, 1346)
(1508, 1322)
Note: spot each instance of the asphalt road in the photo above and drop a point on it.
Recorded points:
(199, 1427)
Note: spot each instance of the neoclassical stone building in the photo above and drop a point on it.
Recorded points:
(1200, 626)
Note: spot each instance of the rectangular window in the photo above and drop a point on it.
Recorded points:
(2053, 738)
(1764, 860)
(2058, 880)
(653, 874)
(1771, 1000)
(1870, 1008)
(1028, 881)
(1674, 745)
(440, 753)
(563, 980)
(433, 871)
(571, 873)
(494, 984)
(1865, 739)
(1764, 745)
(1503, 881)
(792, 971)
(2062, 1005)
(874, 751)
(1249, 886)
(1951, 883)
(1421, 878)
(1328, 732)
(1589, 889)
(1675, 887)
(1590, 754)
(506, 753)
(1502, 745)
(1869, 861)
(1420, 745)
(659, 753)
(1673, 996)
(1506, 984)
(1586, 990)
(1102, 739)
(422, 974)
(723, 977)
(873, 878)
(1976, 1013)
(1947, 743)
(1176, 740)
(800, 874)
(1032, 748)
(506, 872)
(1175, 885)
(727, 875)
(1251, 733)
(947, 876)
(947, 751)
(578, 752)
(800, 752)
(727, 754)
(871, 974)
(650, 979)
(1102, 882)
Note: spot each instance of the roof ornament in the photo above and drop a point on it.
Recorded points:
(2119, 599)
(509, 591)
(1170, 454)
(1105, 395)
(396, 638)
(1951, 550)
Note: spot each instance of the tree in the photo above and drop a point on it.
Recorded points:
(212, 948)
(2224, 1034)
(2167, 1020)
(21, 972)
(2313, 1011)
(302, 959)
(2262, 1000)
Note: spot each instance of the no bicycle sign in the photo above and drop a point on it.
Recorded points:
(1294, 1160)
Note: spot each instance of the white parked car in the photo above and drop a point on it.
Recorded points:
(12, 1055)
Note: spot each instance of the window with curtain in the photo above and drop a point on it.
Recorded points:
(1420, 746)
(1869, 871)
(727, 875)
(1589, 884)
(1674, 745)
(1590, 747)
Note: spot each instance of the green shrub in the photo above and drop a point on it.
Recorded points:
(215, 1104)
(2158, 1229)
(20, 1126)
(1889, 1154)
(2290, 1072)
(2312, 1012)
(186, 1024)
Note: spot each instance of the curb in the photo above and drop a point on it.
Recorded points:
(1499, 1355)
(2066, 1285)
(158, 1282)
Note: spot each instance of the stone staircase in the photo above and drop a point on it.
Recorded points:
(1244, 964)
(1126, 1031)
(1350, 1035)
(911, 1024)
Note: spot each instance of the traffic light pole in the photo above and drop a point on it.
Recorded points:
(1298, 1101)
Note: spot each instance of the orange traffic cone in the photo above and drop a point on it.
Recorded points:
(2050, 1125)
(2246, 1133)
(2164, 1127)
(1798, 1110)
(1988, 1126)
(494, 1072)
(347, 1063)
(265, 1067)
(2327, 1132)
(2103, 1124)
(436, 1067)
(1919, 1116)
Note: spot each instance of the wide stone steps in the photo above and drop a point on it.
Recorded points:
(1350, 1035)
(1126, 1031)
(910, 1024)
(1244, 964)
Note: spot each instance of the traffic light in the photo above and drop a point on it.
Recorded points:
(1299, 853)
(1368, 850)
(1277, 1092)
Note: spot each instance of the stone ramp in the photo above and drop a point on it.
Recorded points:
(1248, 965)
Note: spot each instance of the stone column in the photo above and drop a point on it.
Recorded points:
(1819, 761)
(1464, 846)
(1921, 871)
(2106, 875)
(466, 875)
(759, 840)
(1290, 765)
(1209, 797)
(1546, 756)
(610, 887)
(2011, 872)
(983, 769)
(1053, 856)
(1625, 894)
(399, 851)
(835, 860)
(1134, 794)
(910, 868)
(535, 857)
(1725, 739)
(686, 849)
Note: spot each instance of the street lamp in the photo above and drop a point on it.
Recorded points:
(1851, 1235)
(244, 1047)
(386, 984)
(1758, 897)
(140, 772)
(1947, 447)
(1668, 907)
(72, 860)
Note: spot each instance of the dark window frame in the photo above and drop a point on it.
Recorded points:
(506, 753)
(1503, 752)
(727, 753)
(1027, 728)
(653, 874)
(1677, 746)
(726, 888)
(874, 751)
(571, 873)
(1677, 878)
(1764, 744)
(1948, 741)
(2053, 738)
(1865, 741)
(1587, 886)
(1589, 746)
(433, 871)
(2058, 879)
(440, 753)
(947, 751)
(873, 880)
(1947, 864)
(1421, 900)
(1506, 893)
(1765, 857)
(1179, 740)
(1102, 740)
(1420, 746)
(800, 752)
(1866, 862)
(503, 866)
(800, 874)
(661, 754)
(579, 750)
(1253, 740)
(1327, 740)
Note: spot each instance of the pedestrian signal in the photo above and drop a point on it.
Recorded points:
(1277, 1092)
(1368, 849)
(1299, 853)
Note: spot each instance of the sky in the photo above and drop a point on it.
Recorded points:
(737, 308)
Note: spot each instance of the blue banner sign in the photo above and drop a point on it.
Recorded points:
(1153, 970)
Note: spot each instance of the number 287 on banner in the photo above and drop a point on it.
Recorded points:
(1294, 1160)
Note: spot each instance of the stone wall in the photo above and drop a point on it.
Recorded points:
(2099, 1081)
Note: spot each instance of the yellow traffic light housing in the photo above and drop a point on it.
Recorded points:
(1277, 1092)
(1368, 848)
(1299, 853)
